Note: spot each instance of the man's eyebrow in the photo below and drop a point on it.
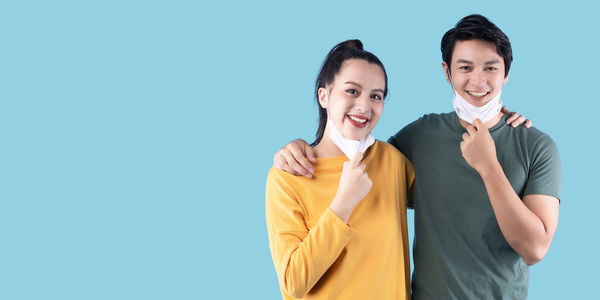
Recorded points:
(491, 62)
(464, 61)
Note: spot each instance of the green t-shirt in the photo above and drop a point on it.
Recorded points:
(459, 251)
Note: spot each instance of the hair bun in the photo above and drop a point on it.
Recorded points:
(349, 44)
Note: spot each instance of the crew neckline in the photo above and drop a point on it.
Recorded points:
(460, 128)
(337, 162)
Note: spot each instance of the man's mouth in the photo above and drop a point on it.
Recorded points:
(478, 94)
(358, 121)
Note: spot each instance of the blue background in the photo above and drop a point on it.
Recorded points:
(136, 136)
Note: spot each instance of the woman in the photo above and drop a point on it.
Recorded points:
(342, 234)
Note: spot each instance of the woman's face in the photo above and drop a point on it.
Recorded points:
(355, 98)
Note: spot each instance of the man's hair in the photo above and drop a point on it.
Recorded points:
(477, 27)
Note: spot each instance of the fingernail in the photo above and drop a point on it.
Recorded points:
(311, 170)
(308, 175)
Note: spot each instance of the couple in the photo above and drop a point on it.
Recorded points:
(485, 194)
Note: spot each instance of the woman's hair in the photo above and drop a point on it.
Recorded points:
(350, 49)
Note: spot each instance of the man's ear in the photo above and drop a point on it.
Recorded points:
(446, 71)
(322, 97)
(506, 78)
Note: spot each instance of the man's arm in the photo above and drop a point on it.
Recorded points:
(296, 157)
(527, 224)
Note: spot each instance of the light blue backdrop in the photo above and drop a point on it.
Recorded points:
(135, 137)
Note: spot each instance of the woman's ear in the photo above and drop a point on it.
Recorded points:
(323, 97)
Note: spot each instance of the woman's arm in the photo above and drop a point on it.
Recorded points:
(301, 256)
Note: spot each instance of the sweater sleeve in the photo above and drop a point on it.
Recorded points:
(301, 255)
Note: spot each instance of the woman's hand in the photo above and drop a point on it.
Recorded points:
(353, 187)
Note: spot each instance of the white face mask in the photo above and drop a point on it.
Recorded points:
(468, 112)
(348, 146)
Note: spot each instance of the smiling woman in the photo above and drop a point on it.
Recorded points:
(342, 233)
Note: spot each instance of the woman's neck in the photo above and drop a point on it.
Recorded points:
(326, 147)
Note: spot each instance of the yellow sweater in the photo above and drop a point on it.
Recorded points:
(317, 255)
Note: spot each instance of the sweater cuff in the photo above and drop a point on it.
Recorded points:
(344, 230)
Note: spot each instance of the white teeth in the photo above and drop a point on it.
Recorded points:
(478, 94)
(357, 119)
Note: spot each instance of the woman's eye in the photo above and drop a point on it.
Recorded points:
(376, 97)
(352, 91)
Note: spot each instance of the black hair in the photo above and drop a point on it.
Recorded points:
(350, 49)
(477, 27)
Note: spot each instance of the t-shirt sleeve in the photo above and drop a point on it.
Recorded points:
(410, 185)
(403, 140)
(301, 256)
(545, 174)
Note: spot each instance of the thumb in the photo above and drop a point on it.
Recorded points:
(356, 158)
(478, 124)
(310, 153)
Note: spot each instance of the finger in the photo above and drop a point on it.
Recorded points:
(471, 130)
(465, 137)
(477, 124)
(462, 146)
(310, 153)
(505, 110)
(301, 159)
(520, 120)
(287, 169)
(356, 158)
(528, 123)
(292, 163)
(513, 117)
(277, 160)
(362, 166)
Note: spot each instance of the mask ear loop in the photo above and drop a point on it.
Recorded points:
(451, 82)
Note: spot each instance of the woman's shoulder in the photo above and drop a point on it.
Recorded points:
(388, 151)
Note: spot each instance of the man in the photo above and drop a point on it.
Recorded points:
(486, 194)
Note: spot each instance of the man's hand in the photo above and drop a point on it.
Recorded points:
(515, 118)
(354, 186)
(293, 158)
(478, 148)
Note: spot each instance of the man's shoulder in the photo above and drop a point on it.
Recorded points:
(533, 137)
(434, 117)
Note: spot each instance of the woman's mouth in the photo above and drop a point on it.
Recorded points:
(358, 121)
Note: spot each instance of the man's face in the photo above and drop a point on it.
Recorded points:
(476, 71)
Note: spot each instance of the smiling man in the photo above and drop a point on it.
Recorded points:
(486, 194)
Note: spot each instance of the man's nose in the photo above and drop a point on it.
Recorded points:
(478, 80)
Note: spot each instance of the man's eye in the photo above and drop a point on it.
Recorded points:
(492, 68)
(466, 68)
